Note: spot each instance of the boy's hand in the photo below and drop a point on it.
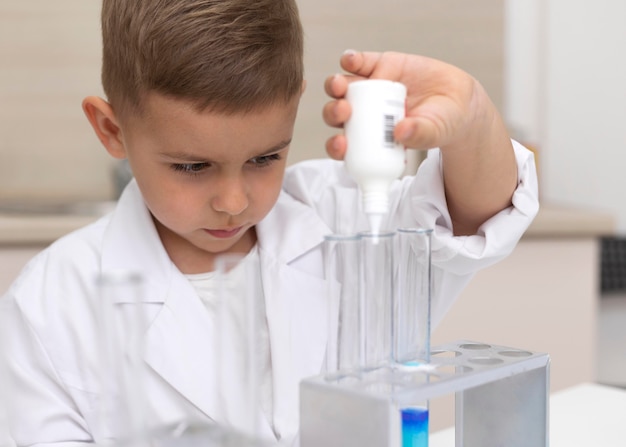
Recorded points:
(445, 108)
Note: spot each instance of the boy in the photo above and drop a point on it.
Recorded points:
(201, 98)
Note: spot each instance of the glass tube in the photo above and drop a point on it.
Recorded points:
(413, 293)
(344, 351)
(411, 344)
(377, 261)
(122, 327)
(240, 310)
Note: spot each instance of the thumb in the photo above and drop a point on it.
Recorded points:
(417, 133)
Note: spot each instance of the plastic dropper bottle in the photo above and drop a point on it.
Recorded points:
(373, 158)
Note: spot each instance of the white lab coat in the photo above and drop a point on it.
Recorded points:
(49, 316)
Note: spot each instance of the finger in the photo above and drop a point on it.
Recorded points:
(336, 86)
(360, 63)
(336, 112)
(336, 147)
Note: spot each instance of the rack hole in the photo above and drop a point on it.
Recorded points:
(445, 354)
(474, 346)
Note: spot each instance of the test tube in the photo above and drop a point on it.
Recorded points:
(411, 344)
(239, 347)
(344, 352)
(413, 294)
(377, 261)
(122, 327)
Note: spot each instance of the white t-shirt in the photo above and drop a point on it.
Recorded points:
(243, 328)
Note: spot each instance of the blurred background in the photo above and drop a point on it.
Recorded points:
(51, 59)
(555, 69)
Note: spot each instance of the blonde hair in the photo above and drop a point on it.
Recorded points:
(224, 55)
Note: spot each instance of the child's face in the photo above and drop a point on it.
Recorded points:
(207, 178)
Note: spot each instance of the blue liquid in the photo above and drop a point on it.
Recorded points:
(415, 427)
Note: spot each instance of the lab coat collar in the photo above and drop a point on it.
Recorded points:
(131, 244)
(295, 302)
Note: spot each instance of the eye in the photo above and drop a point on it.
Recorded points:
(189, 168)
(264, 160)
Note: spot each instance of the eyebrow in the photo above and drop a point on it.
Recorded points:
(279, 147)
(187, 156)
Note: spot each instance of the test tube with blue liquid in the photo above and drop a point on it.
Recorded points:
(411, 336)
(380, 286)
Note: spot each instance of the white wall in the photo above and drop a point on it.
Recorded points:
(523, 68)
(466, 34)
(50, 59)
(569, 93)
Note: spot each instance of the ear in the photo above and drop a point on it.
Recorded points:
(106, 125)
(303, 86)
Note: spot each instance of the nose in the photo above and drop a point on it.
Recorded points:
(231, 196)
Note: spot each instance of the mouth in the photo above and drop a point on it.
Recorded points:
(225, 233)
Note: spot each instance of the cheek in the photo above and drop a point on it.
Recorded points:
(173, 208)
(266, 192)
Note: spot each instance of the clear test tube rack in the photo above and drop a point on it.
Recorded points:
(501, 399)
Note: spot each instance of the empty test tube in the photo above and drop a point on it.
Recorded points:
(342, 266)
(240, 346)
(413, 296)
(122, 326)
(377, 263)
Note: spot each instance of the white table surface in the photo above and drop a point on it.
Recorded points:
(586, 415)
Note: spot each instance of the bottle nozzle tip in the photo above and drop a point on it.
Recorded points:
(376, 221)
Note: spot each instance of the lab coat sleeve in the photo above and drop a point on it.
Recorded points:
(419, 202)
(494, 239)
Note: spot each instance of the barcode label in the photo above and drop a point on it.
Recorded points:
(390, 124)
